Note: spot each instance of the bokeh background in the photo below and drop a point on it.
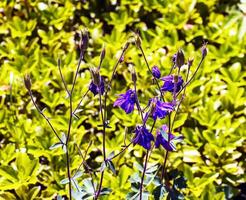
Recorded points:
(35, 33)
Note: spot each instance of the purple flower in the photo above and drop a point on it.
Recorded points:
(169, 83)
(95, 89)
(162, 139)
(159, 109)
(143, 137)
(126, 101)
(156, 72)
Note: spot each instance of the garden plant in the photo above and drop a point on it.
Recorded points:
(122, 99)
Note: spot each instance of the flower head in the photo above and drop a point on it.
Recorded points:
(96, 89)
(204, 49)
(159, 109)
(97, 83)
(162, 139)
(156, 72)
(179, 60)
(143, 137)
(126, 101)
(169, 83)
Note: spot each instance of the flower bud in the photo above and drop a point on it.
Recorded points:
(102, 56)
(121, 59)
(152, 106)
(190, 62)
(126, 46)
(180, 58)
(134, 75)
(95, 75)
(174, 58)
(138, 41)
(27, 82)
(84, 40)
(204, 49)
(156, 72)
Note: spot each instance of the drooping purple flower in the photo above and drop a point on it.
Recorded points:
(96, 88)
(126, 101)
(159, 109)
(143, 137)
(169, 83)
(162, 139)
(156, 72)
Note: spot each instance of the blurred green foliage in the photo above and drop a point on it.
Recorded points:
(35, 33)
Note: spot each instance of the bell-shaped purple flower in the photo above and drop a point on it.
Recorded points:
(159, 109)
(143, 137)
(95, 89)
(170, 83)
(126, 101)
(156, 72)
(162, 139)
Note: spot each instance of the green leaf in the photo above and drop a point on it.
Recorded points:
(159, 192)
(111, 167)
(55, 146)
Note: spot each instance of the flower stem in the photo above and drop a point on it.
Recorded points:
(192, 77)
(104, 115)
(46, 118)
(156, 81)
(182, 98)
(70, 124)
(62, 77)
(167, 152)
(143, 174)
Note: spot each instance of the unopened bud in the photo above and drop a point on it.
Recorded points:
(204, 49)
(153, 106)
(134, 75)
(95, 75)
(102, 56)
(121, 59)
(84, 40)
(156, 72)
(180, 58)
(27, 82)
(126, 46)
(138, 41)
(174, 58)
(190, 62)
